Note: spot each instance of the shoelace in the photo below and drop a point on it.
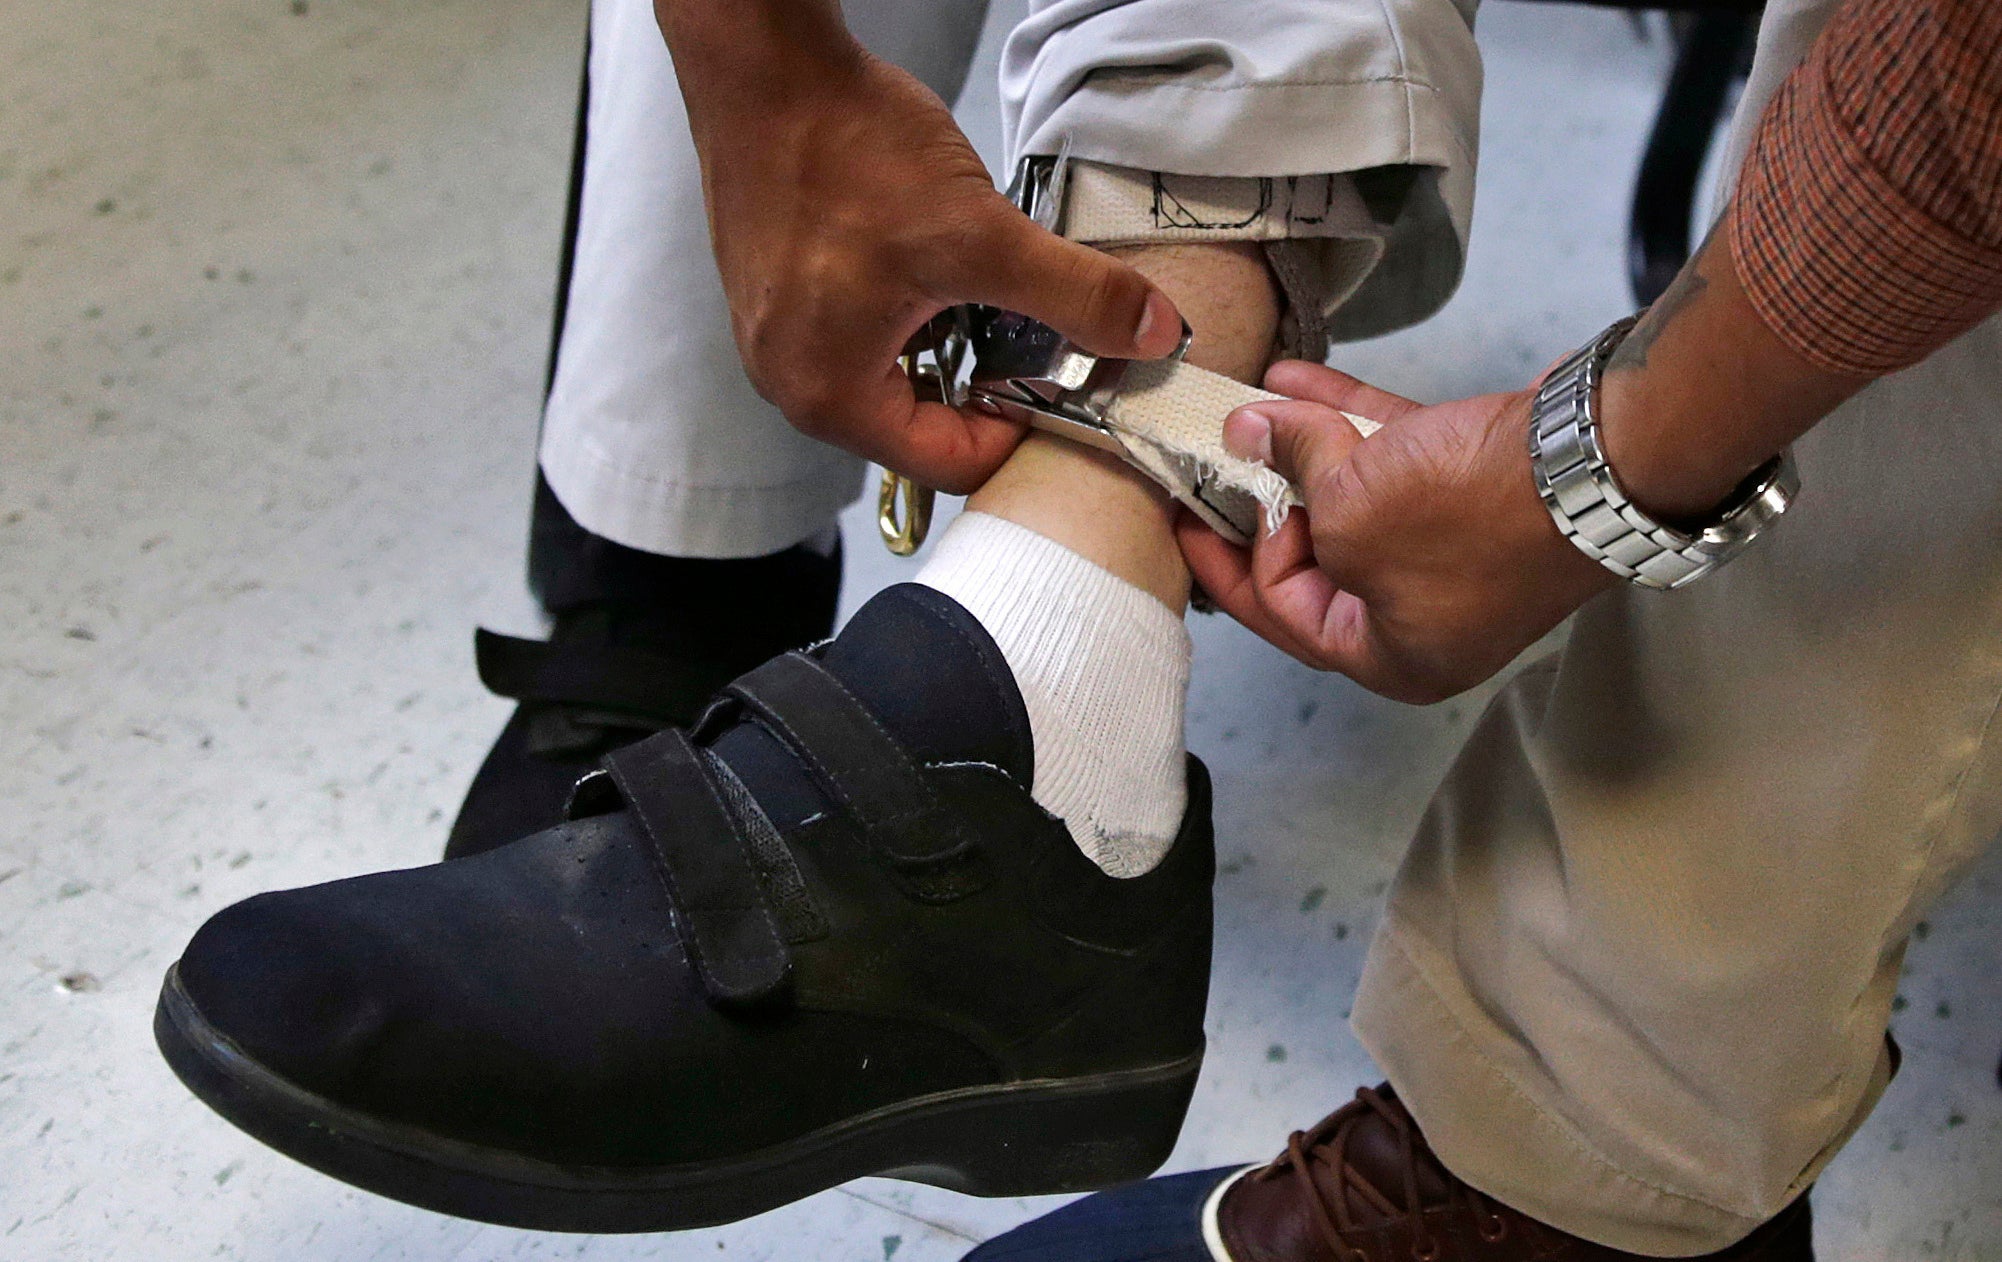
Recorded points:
(1333, 1212)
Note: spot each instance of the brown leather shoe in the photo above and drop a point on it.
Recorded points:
(1362, 1185)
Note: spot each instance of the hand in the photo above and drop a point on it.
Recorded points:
(846, 210)
(1424, 561)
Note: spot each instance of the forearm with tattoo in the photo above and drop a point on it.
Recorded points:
(1701, 392)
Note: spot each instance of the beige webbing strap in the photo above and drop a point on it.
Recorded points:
(1107, 205)
(1169, 415)
(1322, 241)
(1318, 235)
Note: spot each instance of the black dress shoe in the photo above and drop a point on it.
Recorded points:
(640, 644)
(825, 934)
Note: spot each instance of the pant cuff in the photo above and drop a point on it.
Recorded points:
(1489, 1132)
(704, 522)
(1317, 232)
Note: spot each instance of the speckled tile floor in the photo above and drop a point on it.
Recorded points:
(274, 284)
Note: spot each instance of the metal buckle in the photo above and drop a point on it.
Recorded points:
(1007, 364)
(1012, 366)
(1021, 369)
(1037, 187)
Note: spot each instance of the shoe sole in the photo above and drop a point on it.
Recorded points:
(1013, 1139)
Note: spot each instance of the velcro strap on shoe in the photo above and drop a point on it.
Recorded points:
(862, 767)
(704, 863)
(602, 677)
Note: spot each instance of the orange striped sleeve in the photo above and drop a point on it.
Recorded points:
(1867, 224)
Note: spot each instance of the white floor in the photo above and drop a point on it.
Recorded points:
(274, 287)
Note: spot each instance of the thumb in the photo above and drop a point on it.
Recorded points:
(1095, 300)
(1304, 442)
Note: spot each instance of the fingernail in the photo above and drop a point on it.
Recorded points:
(1247, 434)
(1158, 319)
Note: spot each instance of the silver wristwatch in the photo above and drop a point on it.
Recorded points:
(1592, 511)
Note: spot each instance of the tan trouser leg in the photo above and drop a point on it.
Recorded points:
(1636, 970)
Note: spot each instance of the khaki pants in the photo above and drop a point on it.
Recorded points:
(1636, 970)
(1635, 974)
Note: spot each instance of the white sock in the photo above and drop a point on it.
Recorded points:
(1104, 671)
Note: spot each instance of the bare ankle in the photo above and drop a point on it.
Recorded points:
(1093, 503)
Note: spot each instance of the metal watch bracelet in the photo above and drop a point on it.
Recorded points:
(1592, 511)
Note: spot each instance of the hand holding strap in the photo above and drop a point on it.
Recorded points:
(1168, 417)
(1164, 417)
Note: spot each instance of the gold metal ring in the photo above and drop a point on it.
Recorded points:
(903, 525)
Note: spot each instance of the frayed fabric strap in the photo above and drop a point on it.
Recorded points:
(1169, 417)
(705, 865)
(861, 766)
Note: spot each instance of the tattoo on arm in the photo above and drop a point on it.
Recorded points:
(1683, 290)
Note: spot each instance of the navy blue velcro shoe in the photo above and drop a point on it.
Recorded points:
(826, 932)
